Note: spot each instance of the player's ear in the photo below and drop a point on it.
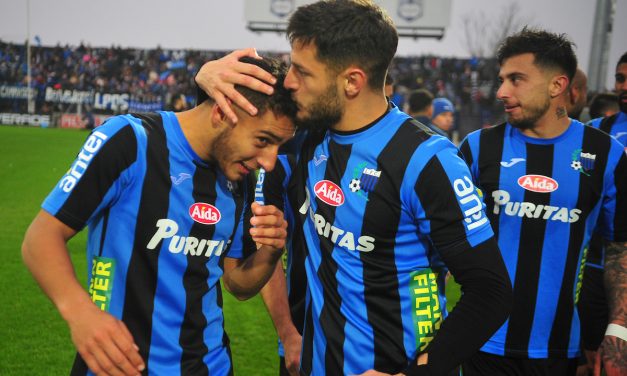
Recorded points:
(218, 117)
(354, 81)
(558, 85)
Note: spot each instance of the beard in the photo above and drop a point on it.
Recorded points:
(621, 101)
(531, 115)
(323, 113)
(221, 150)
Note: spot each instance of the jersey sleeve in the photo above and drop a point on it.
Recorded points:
(450, 208)
(97, 176)
(613, 219)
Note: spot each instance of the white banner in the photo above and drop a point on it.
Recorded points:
(24, 119)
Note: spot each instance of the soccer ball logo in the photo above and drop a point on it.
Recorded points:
(575, 165)
(354, 185)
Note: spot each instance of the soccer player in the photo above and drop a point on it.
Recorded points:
(164, 196)
(593, 306)
(547, 180)
(374, 198)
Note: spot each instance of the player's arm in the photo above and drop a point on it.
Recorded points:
(244, 278)
(219, 77)
(464, 239)
(103, 341)
(274, 295)
(613, 349)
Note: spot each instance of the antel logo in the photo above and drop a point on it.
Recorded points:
(204, 213)
(329, 192)
(538, 183)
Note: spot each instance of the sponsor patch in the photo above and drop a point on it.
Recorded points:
(538, 183)
(204, 213)
(426, 309)
(101, 283)
(329, 193)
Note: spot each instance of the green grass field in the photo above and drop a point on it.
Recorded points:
(35, 340)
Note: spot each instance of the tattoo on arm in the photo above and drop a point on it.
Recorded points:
(561, 112)
(615, 279)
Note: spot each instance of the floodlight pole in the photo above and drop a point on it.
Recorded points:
(31, 103)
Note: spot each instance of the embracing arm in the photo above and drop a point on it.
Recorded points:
(105, 347)
(219, 77)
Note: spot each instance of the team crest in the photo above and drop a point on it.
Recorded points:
(364, 180)
(582, 162)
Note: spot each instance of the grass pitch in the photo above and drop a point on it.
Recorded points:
(35, 340)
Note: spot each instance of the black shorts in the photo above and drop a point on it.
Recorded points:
(593, 310)
(488, 364)
(282, 369)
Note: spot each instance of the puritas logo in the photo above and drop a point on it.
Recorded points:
(538, 183)
(167, 229)
(329, 192)
(530, 210)
(92, 145)
(204, 213)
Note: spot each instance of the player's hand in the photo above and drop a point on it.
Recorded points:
(269, 226)
(613, 354)
(219, 77)
(292, 346)
(104, 342)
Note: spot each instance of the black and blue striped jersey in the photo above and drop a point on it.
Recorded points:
(160, 223)
(615, 126)
(371, 209)
(272, 190)
(544, 198)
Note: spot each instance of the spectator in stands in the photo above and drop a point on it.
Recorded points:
(442, 116)
(420, 107)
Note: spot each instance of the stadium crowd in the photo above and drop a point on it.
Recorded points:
(155, 79)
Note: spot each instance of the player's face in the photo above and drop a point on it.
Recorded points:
(314, 89)
(250, 144)
(524, 91)
(444, 121)
(621, 86)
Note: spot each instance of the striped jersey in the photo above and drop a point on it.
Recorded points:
(370, 209)
(616, 126)
(544, 198)
(160, 223)
(272, 190)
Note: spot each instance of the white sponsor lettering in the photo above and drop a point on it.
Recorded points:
(92, 145)
(189, 245)
(470, 202)
(338, 236)
(531, 210)
(68, 96)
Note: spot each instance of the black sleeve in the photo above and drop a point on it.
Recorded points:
(484, 306)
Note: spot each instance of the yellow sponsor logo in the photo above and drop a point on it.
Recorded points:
(101, 283)
(426, 310)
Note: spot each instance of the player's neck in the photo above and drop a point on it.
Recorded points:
(552, 124)
(361, 111)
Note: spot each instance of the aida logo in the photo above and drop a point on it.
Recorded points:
(329, 193)
(204, 213)
(538, 183)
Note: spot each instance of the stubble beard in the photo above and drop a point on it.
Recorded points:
(324, 113)
(534, 114)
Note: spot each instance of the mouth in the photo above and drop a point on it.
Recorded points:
(244, 168)
(510, 108)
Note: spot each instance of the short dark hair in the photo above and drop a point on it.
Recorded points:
(622, 60)
(347, 32)
(550, 50)
(419, 100)
(602, 102)
(280, 102)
